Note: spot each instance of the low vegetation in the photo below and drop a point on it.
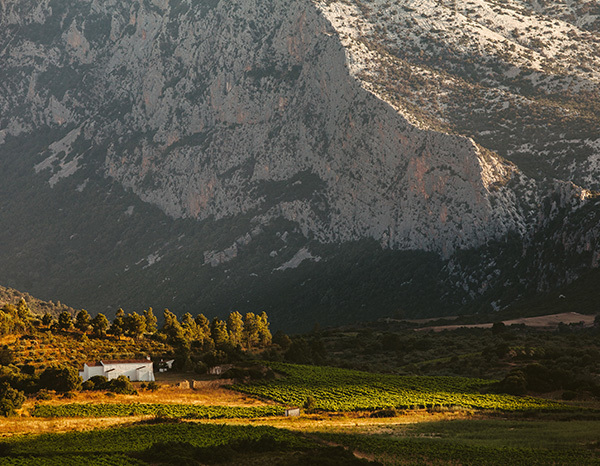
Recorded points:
(163, 443)
(334, 389)
(171, 410)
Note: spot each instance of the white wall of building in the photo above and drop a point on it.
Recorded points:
(135, 371)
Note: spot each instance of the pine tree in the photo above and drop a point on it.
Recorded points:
(204, 332)
(118, 325)
(65, 320)
(82, 320)
(264, 334)
(219, 332)
(135, 325)
(10, 399)
(172, 328)
(23, 310)
(47, 320)
(100, 325)
(235, 326)
(151, 321)
(203, 324)
(251, 330)
(190, 327)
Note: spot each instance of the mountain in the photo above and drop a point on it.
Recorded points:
(325, 161)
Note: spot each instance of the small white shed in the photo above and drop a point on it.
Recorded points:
(292, 412)
(220, 370)
(137, 370)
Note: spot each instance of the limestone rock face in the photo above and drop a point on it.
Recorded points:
(352, 120)
(214, 110)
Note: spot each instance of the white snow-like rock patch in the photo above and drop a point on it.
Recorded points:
(302, 255)
(60, 151)
(152, 259)
(82, 186)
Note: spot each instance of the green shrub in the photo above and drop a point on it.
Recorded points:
(43, 395)
(122, 385)
(61, 378)
(10, 400)
(97, 382)
(152, 386)
(391, 412)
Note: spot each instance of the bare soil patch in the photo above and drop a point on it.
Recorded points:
(547, 322)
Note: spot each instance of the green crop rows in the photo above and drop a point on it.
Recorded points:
(114, 446)
(166, 410)
(438, 451)
(336, 389)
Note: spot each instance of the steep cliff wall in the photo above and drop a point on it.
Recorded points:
(290, 141)
(225, 108)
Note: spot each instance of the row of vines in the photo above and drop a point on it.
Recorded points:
(334, 389)
(155, 409)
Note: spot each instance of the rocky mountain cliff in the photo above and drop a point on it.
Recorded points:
(204, 155)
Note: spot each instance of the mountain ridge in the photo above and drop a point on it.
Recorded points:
(300, 127)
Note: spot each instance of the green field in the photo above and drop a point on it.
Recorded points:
(334, 389)
(132, 445)
(465, 442)
(155, 409)
(418, 451)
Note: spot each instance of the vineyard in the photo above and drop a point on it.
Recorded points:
(126, 445)
(414, 451)
(334, 389)
(187, 411)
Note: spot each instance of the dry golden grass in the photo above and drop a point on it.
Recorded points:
(350, 422)
(347, 422)
(31, 425)
(210, 393)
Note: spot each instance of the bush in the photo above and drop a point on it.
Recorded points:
(97, 382)
(152, 386)
(122, 385)
(390, 412)
(43, 395)
(60, 378)
(10, 400)
(514, 383)
(310, 404)
(87, 385)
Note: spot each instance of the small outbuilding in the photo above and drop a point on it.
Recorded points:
(164, 366)
(220, 370)
(137, 370)
(292, 412)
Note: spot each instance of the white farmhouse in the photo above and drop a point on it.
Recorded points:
(137, 370)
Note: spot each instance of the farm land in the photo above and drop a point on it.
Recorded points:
(373, 394)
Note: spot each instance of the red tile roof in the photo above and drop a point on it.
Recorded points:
(125, 361)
